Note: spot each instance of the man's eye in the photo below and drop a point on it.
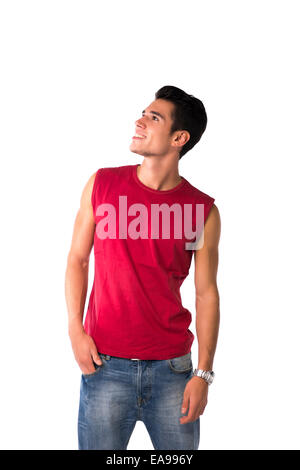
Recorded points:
(152, 116)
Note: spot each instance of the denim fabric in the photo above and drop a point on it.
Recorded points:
(122, 391)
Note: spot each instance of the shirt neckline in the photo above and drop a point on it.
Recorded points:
(156, 191)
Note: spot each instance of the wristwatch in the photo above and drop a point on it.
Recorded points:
(207, 375)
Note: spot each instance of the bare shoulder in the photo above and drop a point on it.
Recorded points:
(86, 195)
(212, 227)
(210, 236)
(84, 226)
(214, 213)
(206, 254)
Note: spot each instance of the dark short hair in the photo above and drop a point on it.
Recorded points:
(189, 114)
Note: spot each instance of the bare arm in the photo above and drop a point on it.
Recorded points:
(207, 315)
(207, 296)
(76, 281)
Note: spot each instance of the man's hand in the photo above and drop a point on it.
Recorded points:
(85, 351)
(194, 398)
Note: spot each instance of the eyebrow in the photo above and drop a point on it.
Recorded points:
(156, 114)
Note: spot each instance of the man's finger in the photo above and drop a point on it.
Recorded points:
(191, 414)
(96, 357)
(185, 403)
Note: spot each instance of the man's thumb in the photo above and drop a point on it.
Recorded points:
(96, 357)
(185, 404)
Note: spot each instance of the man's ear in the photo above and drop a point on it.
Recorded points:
(182, 137)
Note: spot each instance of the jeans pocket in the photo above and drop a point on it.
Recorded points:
(97, 367)
(181, 364)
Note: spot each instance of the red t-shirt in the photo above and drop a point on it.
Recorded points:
(135, 308)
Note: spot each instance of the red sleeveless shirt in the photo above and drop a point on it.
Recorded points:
(141, 260)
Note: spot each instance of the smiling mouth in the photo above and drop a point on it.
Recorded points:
(138, 136)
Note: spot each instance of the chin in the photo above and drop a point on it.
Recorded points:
(134, 150)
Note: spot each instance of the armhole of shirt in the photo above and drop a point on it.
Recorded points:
(207, 207)
(93, 196)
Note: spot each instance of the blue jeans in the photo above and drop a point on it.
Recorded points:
(122, 391)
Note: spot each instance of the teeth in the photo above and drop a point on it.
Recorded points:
(140, 136)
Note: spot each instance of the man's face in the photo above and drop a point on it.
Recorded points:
(154, 126)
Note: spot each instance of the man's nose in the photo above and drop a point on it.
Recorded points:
(140, 122)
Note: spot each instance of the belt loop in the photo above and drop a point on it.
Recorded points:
(106, 356)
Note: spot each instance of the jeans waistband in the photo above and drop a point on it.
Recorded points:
(107, 357)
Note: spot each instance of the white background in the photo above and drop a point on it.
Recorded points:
(75, 75)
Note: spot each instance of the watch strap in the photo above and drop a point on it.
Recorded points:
(207, 375)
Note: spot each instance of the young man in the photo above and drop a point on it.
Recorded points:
(134, 349)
